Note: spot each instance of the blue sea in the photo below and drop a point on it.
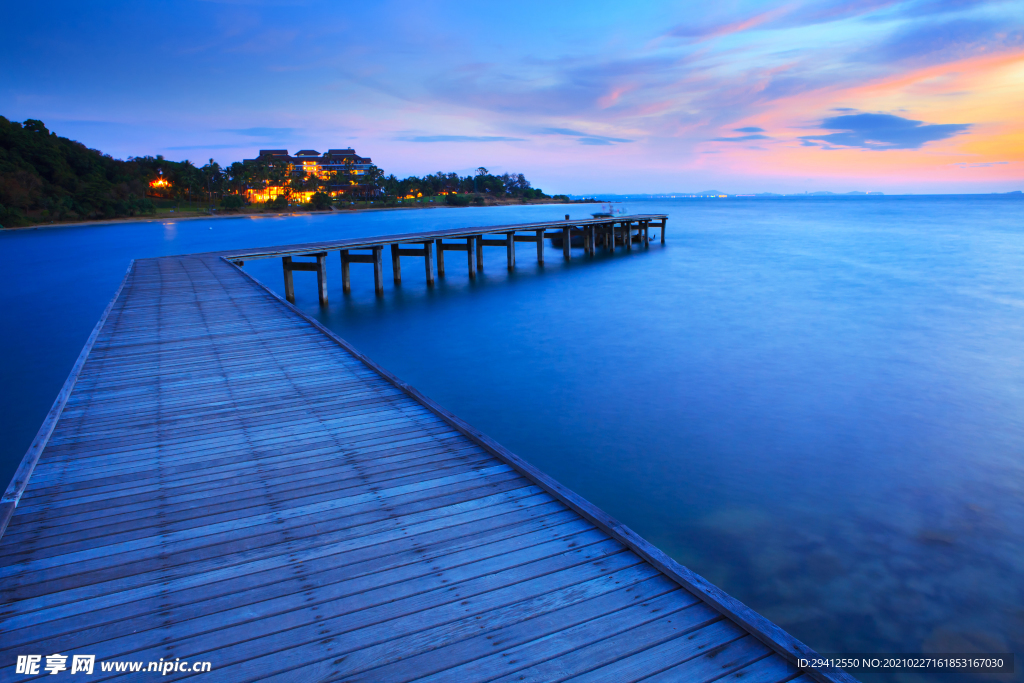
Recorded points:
(816, 403)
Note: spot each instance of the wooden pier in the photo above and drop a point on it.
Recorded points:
(604, 233)
(224, 480)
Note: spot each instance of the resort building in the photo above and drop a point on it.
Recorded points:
(337, 169)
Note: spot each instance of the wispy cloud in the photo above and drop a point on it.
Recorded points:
(259, 132)
(742, 138)
(883, 131)
(459, 138)
(985, 164)
(946, 41)
(584, 138)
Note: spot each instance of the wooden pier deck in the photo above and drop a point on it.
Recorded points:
(607, 233)
(222, 480)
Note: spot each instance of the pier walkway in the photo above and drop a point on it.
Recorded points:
(591, 233)
(222, 480)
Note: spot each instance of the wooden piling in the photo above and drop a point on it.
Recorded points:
(378, 270)
(321, 278)
(427, 249)
(396, 264)
(289, 283)
(346, 280)
(595, 232)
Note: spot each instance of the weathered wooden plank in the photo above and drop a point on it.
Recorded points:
(302, 265)
(81, 560)
(516, 646)
(313, 650)
(771, 669)
(713, 665)
(227, 478)
(197, 513)
(358, 258)
(686, 648)
(367, 525)
(343, 572)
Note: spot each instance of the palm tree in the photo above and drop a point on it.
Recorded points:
(372, 179)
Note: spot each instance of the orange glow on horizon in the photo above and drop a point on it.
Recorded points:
(985, 92)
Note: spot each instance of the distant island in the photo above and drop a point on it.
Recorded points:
(45, 178)
(715, 194)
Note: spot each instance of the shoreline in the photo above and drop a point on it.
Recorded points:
(264, 214)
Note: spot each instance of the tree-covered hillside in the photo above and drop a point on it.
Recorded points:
(45, 177)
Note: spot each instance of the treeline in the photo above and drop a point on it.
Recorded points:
(483, 183)
(44, 177)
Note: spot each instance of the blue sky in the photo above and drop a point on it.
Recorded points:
(912, 96)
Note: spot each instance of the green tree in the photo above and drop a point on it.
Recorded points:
(320, 201)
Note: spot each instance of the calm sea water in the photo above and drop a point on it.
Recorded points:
(818, 404)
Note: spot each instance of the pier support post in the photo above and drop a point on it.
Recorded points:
(427, 258)
(663, 222)
(378, 270)
(469, 256)
(510, 249)
(346, 279)
(540, 246)
(611, 232)
(396, 264)
(647, 236)
(440, 258)
(289, 282)
(566, 246)
(321, 278)
(479, 253)
(629, 236)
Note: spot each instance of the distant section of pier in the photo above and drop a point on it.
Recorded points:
(591, 234)
(224, 480)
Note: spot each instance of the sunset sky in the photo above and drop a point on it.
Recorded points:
(582, 97)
